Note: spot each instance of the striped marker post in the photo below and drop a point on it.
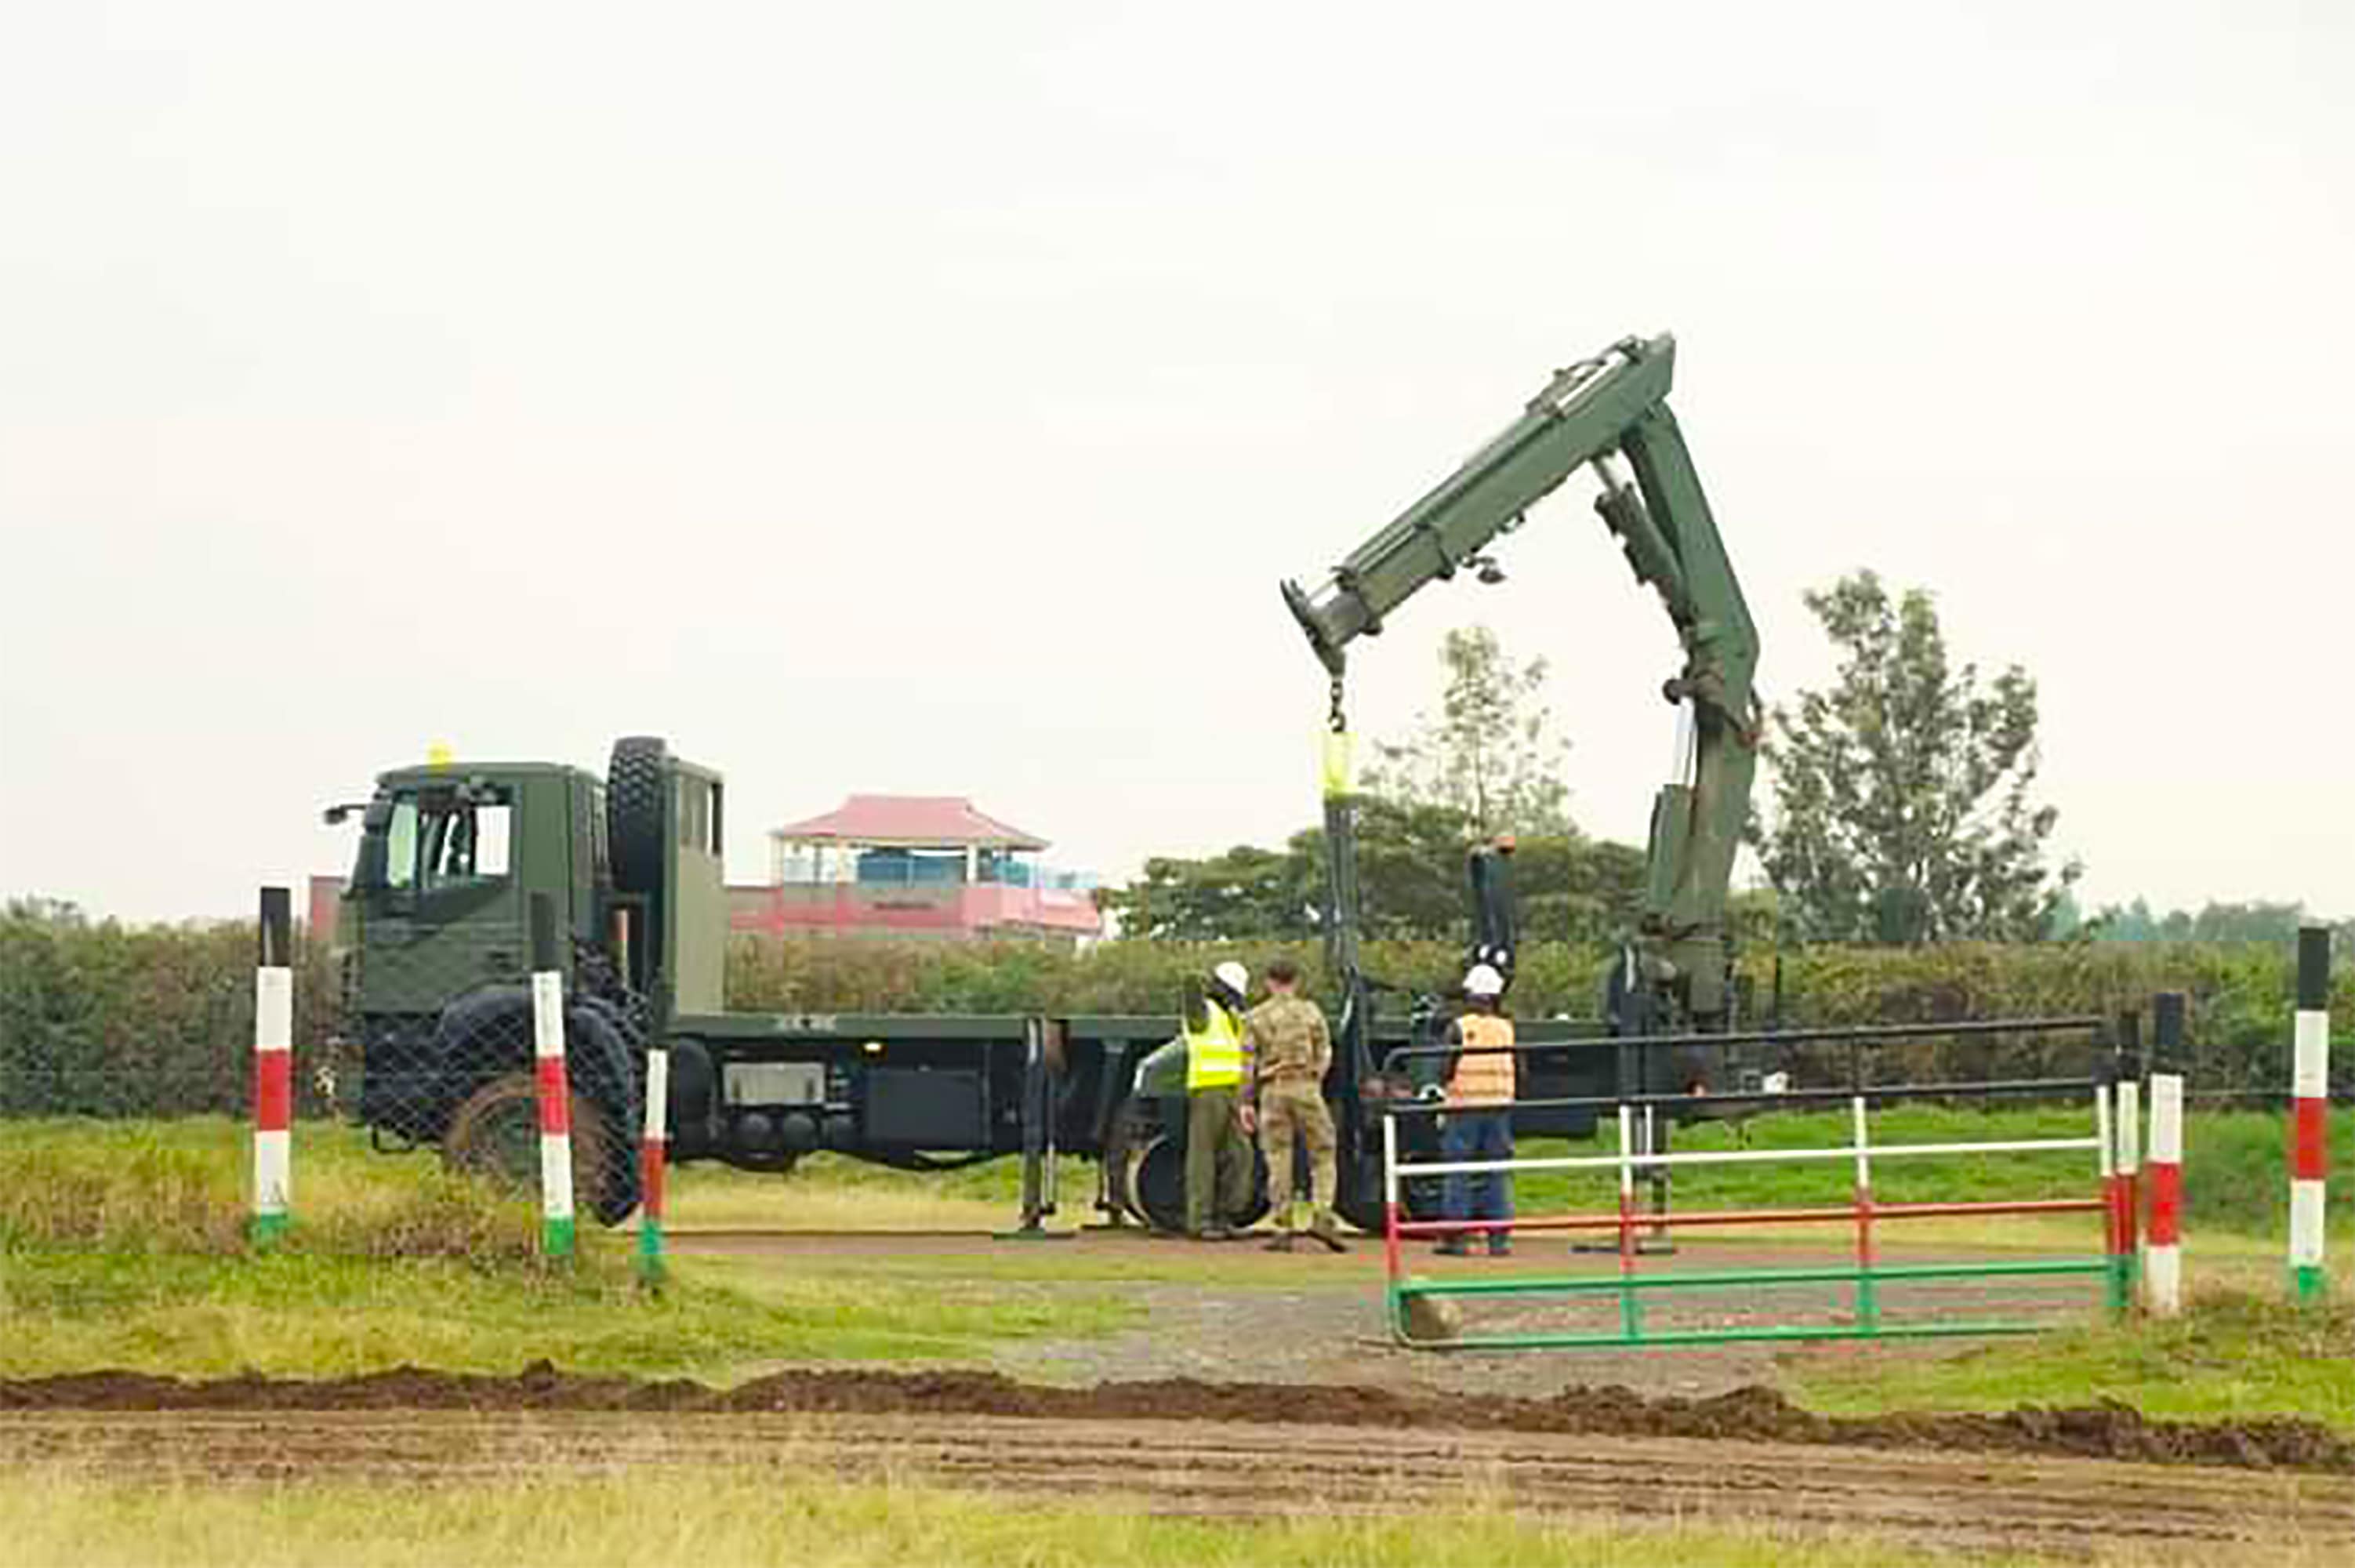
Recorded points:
(554, 1093)
(2130, 1176)
(1630, 1312)
(2114, 1225)
(2309, 1113)
(654, 1154)
(2162, 1273)
(1391, 1207)
(273, 1069)
(1867, 1301)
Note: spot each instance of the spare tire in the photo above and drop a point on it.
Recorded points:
(635, 798)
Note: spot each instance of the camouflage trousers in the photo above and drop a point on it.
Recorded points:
(1295, 1113)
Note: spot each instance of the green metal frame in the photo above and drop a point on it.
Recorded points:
(1629, 1287)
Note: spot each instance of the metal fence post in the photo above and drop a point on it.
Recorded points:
(2310, 1113)
(273, 1069)
(555, 1093)
(2163, 1264)
(1868, 1300)
(1631, 1320)
(2167, 1014)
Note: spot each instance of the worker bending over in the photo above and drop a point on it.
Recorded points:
(1478, 1124)
(1286, 1049)
(1218, 1177)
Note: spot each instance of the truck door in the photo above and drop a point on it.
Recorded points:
(450, 913)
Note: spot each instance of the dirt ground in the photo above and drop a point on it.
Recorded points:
(2100, 1432)
(1261, 1383)
(1312, 1318)
(1225, 1457)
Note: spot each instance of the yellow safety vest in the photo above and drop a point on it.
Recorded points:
(1214, 1053)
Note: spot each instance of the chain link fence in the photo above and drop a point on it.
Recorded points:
(448, 1052)
(121, 1025)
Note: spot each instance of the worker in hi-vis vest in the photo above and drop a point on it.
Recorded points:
(1478, 1122)
(1218, 1174)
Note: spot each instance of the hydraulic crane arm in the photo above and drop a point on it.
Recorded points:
(1612, 406)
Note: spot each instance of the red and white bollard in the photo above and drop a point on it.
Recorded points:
(2130, 1169)
(654, 1152)
(2310, 1113)
(2115, 1226)
(1868, 1300)
(273, 1069)
(555, 1093)
(2162, 1273)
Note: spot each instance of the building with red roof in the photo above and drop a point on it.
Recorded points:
(912, 866)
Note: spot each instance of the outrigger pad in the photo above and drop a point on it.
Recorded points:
(1430, 1319)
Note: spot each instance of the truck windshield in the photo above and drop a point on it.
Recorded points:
(461, 841)
(442, 838)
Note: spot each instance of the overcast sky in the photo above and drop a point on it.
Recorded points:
(929, 397)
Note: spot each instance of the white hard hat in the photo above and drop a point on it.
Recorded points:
(1233, 976)
(1484, 981)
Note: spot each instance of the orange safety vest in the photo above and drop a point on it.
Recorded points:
(1485, 1080)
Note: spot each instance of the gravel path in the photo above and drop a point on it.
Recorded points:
(1251, 1316)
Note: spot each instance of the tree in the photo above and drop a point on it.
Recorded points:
(1490, 755)
(2260, 921)
(1248, 894)
(1411, 877)
(1901, 794)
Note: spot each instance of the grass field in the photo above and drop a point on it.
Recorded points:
(122, 1245)
(2234, 1355)
(746, 1520)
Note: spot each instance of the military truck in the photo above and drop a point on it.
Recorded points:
(434, 956)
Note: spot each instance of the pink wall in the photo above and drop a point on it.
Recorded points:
(941, 911)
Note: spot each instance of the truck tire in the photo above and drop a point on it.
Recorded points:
(634, 813)
(494, 1135)
(1158, 1187)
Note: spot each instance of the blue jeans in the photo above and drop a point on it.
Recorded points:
(1479, 1134)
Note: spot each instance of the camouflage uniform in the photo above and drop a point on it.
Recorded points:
(1288, 1048)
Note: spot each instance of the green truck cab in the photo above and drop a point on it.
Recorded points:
(434, 952)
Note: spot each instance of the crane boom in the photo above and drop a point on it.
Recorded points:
(1613, 406)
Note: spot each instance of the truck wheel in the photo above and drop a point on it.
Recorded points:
(634, 813)
(1158, 1187)
(494, 1135)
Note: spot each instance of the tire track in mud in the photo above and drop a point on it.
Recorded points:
(1234, 1469)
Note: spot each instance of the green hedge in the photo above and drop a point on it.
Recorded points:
(106, 1019)
(101, 1020)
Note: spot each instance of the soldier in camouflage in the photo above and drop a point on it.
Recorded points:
(1286, 1049)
